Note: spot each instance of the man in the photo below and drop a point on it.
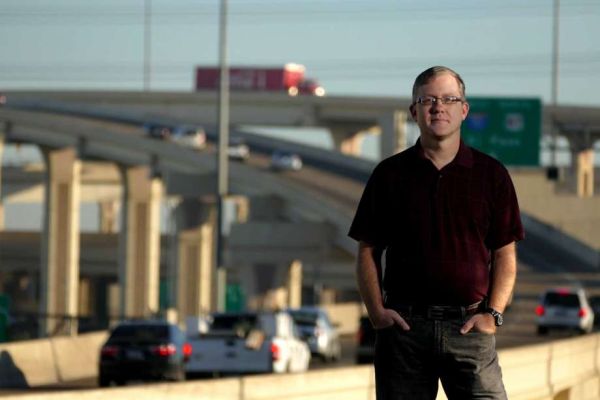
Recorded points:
(448, 219)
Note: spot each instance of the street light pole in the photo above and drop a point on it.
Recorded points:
(554, 89)
(147, 43)
(222, 157)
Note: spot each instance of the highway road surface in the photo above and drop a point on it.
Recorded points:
(539, 267)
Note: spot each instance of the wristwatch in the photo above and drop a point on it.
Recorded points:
(498, 317)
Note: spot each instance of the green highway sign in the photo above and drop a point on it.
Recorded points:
(234, 298)
(508, 129)
(4, 305)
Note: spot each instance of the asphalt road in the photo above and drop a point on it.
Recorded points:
(539, 267)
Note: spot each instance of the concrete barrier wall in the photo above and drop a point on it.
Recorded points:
(26, 364)
(41, 362)
(563, 370)
(346, 316)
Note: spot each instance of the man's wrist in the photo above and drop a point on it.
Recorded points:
(498, 317)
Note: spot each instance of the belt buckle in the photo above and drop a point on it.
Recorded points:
(436, 312)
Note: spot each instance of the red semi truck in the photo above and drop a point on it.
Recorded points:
(290, 78)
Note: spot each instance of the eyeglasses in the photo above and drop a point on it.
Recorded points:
(429, 100)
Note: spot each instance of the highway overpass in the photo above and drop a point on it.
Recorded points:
(325, 194)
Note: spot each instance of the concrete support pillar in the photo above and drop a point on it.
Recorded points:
(113, 302)
(60, 243)
(294, 284)
(346, 140)
(196, 276)
(109, 211)
(393, 133)
(266, 285)
(585, 173)
(86, 297)
(139, 260)
(327, 296)
(242, 207)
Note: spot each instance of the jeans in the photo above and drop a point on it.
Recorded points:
(408, 364)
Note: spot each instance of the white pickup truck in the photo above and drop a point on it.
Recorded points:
(247, 343)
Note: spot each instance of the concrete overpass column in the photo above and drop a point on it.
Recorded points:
(294, 284)
(265, 285)
(393, 133)
(60, 243)
(139, 260)
(86, 297)
(242, 207)
(196, 273)
(346, 139)
(195, 277)
(585, 173)
(109, 210)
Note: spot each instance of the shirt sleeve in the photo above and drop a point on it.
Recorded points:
(368, 223)
(505, 225)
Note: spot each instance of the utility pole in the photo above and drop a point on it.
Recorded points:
(222, 157)
(147, 43)
(553, 171)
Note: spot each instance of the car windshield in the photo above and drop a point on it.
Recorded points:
(239, 324)
(564, 300)
(190, 130)
(304, 318)
(140, 333)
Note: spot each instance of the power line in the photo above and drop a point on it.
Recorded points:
(571, 60)
(278, 13)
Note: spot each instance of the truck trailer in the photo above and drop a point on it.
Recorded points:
(289, 78)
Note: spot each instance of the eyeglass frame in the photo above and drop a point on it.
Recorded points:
(445, 100)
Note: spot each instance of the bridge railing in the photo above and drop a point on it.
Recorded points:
(564, 369)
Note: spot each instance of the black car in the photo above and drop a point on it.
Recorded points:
(143, 350)
(365, 342)
(158, 131)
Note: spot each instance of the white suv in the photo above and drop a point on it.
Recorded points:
(564, 308)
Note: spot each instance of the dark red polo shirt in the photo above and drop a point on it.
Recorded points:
(438, 226)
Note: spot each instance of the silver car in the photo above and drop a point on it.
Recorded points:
(237, 149)
(564, 308)
(281, 160)
(318, 332)
(189, 136)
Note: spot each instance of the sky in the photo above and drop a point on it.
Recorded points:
(353, 47)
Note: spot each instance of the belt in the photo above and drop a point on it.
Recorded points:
(436, 312)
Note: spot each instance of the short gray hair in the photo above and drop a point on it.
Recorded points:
(429, 73)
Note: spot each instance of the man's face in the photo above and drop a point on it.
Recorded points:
(439, 121)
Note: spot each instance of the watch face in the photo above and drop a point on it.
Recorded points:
(499, 319)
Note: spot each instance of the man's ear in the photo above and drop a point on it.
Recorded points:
(413, 112)
(466, 108)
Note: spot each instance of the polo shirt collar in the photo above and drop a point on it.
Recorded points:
(464, 157)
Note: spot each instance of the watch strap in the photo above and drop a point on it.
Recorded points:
(498, 317)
